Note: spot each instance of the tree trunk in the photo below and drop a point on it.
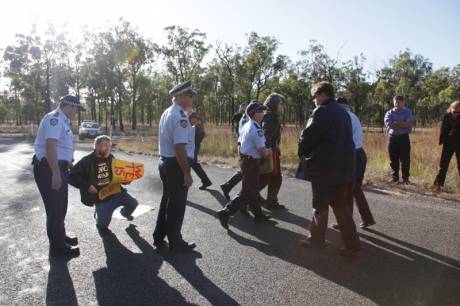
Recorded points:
(120, 108)
(47, 89)
(134, 114)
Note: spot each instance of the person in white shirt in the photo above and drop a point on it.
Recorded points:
(177, 148)
(53, 157)
(361, 161)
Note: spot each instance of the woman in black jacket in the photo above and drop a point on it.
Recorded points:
(271, 125)
(449, 138)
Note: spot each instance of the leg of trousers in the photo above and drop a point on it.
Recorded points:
(320, 203)
(250, 188)
(393, 152)
(336, 196)
(405, 156)
(344, 218)
(173, 202)
(234, 180)
(55, 202)
(196, 166)
(446, 156)
(361, 201)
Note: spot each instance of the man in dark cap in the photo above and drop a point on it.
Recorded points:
(53, 156)
(327, 155)
(252, 150)
(176, 147)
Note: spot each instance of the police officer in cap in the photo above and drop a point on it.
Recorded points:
(252, 150)
(176, 146)
(53, 157)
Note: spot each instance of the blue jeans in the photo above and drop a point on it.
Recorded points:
(104, 210)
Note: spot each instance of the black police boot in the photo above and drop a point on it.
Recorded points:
(225, 190)
(261, 218)
(205, 185)
(69, 251)
(73, 241)
(182, 246)
(224, 216)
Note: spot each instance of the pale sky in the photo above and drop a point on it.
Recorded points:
(379, 29)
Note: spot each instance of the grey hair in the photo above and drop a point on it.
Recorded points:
(99, 139)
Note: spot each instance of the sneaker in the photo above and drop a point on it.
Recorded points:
(335, 226)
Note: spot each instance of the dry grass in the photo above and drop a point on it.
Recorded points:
(220, 148)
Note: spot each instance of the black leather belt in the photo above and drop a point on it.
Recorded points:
(244, 156)
(63, 164)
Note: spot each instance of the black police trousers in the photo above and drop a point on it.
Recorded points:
(173, 201)
(399, 151)
(55, 201)
(249, 193)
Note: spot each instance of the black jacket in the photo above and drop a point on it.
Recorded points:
(326, 147)
(450, 131)
(200, 134)
(272, 130)
(82, 176)
(236, 122)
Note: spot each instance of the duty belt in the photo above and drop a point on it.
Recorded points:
(244, 156)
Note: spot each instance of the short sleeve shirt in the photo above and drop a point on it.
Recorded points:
(252, 139)
(175, 129)
(55, 125)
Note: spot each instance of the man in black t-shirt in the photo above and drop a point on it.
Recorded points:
(94, 172)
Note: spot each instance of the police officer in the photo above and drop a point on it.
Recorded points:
(251, 151)
(176, 146)
(53, 156)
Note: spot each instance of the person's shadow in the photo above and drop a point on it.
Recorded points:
(60, 290)
(130, 278)
(395, 273)
(185, 265)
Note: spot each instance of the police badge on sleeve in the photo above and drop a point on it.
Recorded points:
(53, 121)
(183, 123)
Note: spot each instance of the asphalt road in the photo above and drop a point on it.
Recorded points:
(411, 257)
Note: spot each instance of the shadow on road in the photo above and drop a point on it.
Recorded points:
(130, 278)
(185, 265)
(60, 290)
(385, 273)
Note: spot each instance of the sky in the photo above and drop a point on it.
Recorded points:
(378, 29)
